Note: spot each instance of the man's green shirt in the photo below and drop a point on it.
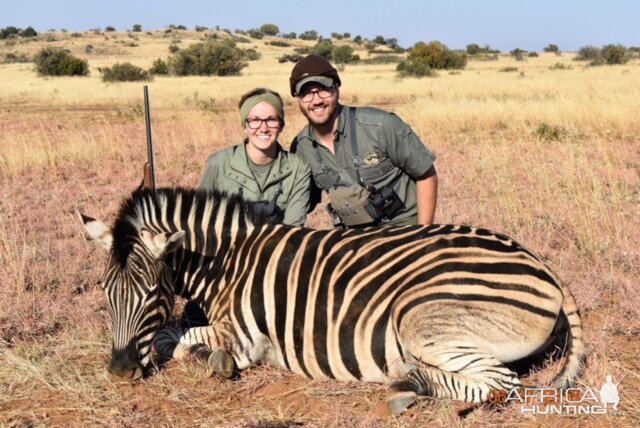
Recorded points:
(388, 150)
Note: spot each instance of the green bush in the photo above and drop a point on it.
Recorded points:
(254, 33)
(221, 58)
(173, 48)
(615, 54)
(560, 66)
(609, 54)
(240, 39)
(15, 57)
(588, 53)
(251, 54)
(424, 57)
(383, 59)
(550, 132)
(279, 43)
(415, 67)
(270, 29)
(508, 69)
(59, 62)
(109, 28)
(159, 66)
(290, 58)
(125, 72)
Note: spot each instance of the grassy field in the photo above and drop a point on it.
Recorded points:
(549, 156)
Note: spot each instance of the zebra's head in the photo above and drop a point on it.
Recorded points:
(139, 287)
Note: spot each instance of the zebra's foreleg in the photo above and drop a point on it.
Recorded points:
(199, 342)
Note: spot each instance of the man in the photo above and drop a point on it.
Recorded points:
(391, 180)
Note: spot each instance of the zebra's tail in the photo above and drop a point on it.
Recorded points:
(575, 344)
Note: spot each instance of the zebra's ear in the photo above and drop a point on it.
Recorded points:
(97, 231)
(163, 243)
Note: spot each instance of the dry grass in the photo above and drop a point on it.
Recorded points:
(571, 195)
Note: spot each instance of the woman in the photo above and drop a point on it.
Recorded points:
(260, 169)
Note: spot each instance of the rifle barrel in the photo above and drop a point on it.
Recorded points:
(147, 115)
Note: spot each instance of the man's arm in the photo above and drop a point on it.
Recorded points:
(426, 195)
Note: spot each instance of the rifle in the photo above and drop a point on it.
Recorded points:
(149, 176)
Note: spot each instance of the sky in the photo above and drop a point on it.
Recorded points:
(502, 24)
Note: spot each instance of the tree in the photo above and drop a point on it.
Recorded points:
(473, 49)
(424, 57)
(324, 48)
(270, 29)
(518, 54)
(136, 28)
(552, 48)
(392, 42)
(28, 32)
(159, 66)
(379, 40)
(8, 31)
(343, 54)
(109, 28)
(309, 35)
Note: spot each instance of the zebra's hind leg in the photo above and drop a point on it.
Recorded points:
(199, 342)
(467, 376)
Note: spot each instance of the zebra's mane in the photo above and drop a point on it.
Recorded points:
(130, 218)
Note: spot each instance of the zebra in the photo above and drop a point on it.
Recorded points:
(431, 310)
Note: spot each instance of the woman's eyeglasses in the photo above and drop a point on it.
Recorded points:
(256, 122)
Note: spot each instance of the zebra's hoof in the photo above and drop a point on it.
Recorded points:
(399, 401)
(220, 363)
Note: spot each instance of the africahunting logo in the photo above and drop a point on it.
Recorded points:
(570, 401)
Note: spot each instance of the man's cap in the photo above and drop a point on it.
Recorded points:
(313, 68)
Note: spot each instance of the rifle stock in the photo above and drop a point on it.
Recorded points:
(147, 182)
(149, 176)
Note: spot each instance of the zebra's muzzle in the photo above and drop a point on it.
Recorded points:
(124, 364)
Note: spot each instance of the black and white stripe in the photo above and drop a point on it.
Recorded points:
(436, 309)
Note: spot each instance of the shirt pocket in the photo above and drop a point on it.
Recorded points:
(374, 174)
(325, 178)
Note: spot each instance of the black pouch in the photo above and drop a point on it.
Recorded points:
(268, 211)
(387, 200)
